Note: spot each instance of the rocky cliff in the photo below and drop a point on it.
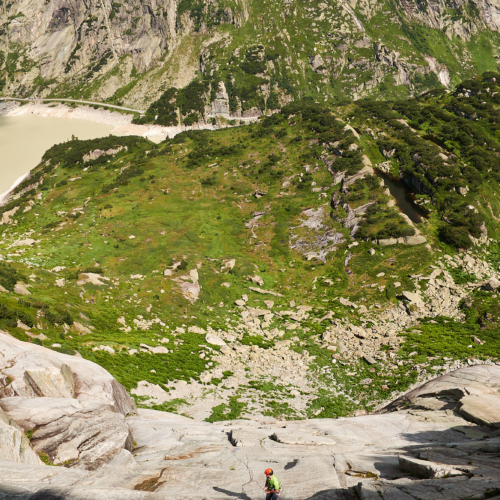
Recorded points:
(438, 441)
(130, 53)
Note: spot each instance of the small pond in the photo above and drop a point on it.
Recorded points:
(403, 196)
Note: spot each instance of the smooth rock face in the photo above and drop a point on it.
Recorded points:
(14, 445)
(36, 371)
(419, 448)
(483, 409)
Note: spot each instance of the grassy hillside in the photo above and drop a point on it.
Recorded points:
(156, 246)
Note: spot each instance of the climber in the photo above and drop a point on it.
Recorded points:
(272, 485)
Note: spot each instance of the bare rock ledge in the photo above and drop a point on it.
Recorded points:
(437, 441)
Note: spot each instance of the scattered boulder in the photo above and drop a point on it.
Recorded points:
(347, 303)
(369, 359)
(257, 280)
(92, 278)
(191, 291)
(81, 329)
(268, 292)
(195, 329)
(105, 348)
(490, 285)
(413, 298)
(227, 265)
(26, 242)
(21, 288)
(213, 339)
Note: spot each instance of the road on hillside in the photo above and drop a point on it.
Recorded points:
(73, 100)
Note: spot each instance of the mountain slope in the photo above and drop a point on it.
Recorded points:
(265, 53)
(207, 270)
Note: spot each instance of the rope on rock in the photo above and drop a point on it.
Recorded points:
(250, 473)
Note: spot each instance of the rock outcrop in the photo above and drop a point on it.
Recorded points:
(106, 46)
(28, 370)
(422, 446)
(473, 392)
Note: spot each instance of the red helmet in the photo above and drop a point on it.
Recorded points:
(268, 472)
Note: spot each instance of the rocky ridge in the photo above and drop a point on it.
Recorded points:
(132, 53)
(438, 439)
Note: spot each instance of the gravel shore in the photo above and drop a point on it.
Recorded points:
(122, 122)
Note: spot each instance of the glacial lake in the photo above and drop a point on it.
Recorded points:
(25, 138)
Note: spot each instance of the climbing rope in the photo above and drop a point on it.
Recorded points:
(250, 473)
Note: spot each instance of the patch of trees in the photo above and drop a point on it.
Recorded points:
(464, 129)
(202, 14)
(9, 276)
(71, 153)
(188, 102)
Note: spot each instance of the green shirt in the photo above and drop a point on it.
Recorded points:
(273, 483)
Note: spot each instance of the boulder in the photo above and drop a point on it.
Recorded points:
(227, 265)
(413, 298)
(255, 313)
(347, 303)
(490, 285)
(196, 329)
(51, 382)
(81, 329)
(418, 239)
(369, 359)
(25, 242)
(387, 242)
(92, 278)
(256, 279)
(213, 339)
(268, 292)
(21, 288)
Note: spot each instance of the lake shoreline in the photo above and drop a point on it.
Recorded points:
(121, 122)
